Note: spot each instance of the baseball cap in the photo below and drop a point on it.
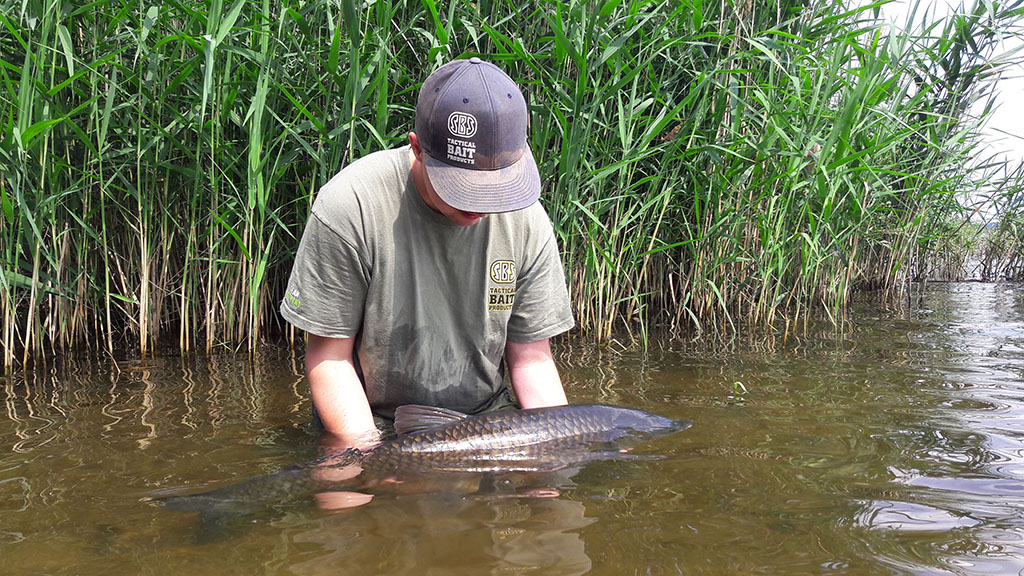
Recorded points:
(471, 121)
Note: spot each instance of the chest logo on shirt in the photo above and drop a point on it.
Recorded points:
(501, 298)
(503, 271)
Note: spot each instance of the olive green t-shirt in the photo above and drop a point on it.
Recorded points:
(430, 303)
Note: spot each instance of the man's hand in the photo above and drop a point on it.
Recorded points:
(336, 471)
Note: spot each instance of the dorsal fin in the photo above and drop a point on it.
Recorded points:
(412, 418)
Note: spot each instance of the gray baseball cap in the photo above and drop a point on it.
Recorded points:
(471, 121)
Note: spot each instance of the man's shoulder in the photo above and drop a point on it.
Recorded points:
(383, 161)
(530, 220)
(378, 177)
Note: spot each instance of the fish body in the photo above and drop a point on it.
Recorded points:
(438, 449)
(438, 440)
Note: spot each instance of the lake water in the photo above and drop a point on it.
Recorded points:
(896, 447)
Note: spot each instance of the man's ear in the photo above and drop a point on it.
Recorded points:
(414, 143)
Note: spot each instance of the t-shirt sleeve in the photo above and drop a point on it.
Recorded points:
(541, 308)
(327, 288)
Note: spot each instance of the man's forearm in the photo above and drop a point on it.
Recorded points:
(534, 374)
(337, 393)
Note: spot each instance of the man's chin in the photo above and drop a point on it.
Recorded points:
(467, 218)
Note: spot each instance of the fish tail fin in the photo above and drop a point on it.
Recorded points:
(219, 519)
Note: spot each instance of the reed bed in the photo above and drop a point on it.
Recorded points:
(710, 167)
(998, 242)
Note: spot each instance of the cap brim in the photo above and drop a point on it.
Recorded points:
(486, 191)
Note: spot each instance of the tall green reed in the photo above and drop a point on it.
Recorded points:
(709, 167)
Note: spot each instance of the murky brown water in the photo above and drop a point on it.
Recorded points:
(896, 448)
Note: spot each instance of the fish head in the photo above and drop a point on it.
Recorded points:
(630, 426)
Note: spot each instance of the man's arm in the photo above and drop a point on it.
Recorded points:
(531, 367)
(344, 411)
(337, 393)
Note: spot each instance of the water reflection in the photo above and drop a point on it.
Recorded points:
(438, 535)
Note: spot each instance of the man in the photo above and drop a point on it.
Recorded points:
(428, 271)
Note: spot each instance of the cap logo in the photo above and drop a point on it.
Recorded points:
(462, 124)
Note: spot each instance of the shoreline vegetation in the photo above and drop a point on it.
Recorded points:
(708, 166)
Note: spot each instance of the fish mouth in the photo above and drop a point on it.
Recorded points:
(667, 426)
(678, 425)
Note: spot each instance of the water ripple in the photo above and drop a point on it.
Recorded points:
(909, 516)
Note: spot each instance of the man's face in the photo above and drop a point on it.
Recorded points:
(460, 217)
(430, 196)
